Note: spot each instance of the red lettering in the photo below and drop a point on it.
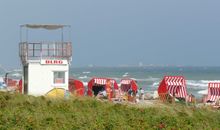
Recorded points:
(61, 62)
(48, 61)
(53, 62)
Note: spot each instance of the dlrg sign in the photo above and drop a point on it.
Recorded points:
(53, 62)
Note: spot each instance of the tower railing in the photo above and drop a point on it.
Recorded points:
(36, 51)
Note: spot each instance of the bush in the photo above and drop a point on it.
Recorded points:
(28, 112)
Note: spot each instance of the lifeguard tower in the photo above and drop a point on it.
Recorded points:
(45, 63)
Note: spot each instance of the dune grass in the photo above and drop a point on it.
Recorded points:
(28, 112)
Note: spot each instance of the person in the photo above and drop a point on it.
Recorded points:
(134, 90)
(134, 96)
(20, 86)
(129, 94)
(120, 94)
(130, 91)
(108, 89)
(113, 93)
(138, 95)
(141, 91)
(104, 93)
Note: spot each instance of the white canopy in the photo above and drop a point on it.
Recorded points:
(45, 26)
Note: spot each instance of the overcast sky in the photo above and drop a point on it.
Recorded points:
(121, 32)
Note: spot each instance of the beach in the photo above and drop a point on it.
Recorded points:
(149, 77)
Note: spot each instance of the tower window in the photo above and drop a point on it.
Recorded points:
(59, 77)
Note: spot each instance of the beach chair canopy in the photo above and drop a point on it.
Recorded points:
(100, 82)
(126, 84)
(76, 87)
(213, 91)
(174, 86)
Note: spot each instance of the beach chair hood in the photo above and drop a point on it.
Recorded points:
(99, 82)
(76, 87)
(213, 91)
(174, 86)
(127, 84)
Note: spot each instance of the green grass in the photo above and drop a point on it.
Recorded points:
(27, 112)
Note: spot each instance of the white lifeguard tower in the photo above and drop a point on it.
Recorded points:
(45, 64)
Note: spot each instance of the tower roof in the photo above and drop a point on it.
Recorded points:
(45, 26)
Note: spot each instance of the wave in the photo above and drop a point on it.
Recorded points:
(125, 75)
(137, 79)
(83, 77)
(199, 84)
(86, 72)
(116, 78)
(150, 79)
(194, 84)
(203, 91)
(155, 84)
(208, 81)
(17, 75)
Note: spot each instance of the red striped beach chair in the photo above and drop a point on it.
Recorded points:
(173, 86)
(213, 92)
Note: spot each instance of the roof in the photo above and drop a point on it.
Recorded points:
(45, 26)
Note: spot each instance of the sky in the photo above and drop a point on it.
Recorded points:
(121, 32)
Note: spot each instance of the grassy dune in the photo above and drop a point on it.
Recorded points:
(27, 112)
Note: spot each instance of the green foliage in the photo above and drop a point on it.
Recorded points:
(31, 113)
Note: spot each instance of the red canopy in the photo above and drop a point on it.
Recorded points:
(126, 84)
(213, 91)
(76, 86)
(99, 82)
(173, 85)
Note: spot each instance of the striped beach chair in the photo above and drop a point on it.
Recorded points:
(173, 86)
(213, 92)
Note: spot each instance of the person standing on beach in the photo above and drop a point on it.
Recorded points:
(134, 88)
(108, 89)
(20, 86)
(141, 91)
(130, 92)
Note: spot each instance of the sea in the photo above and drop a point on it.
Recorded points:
(148, 77)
